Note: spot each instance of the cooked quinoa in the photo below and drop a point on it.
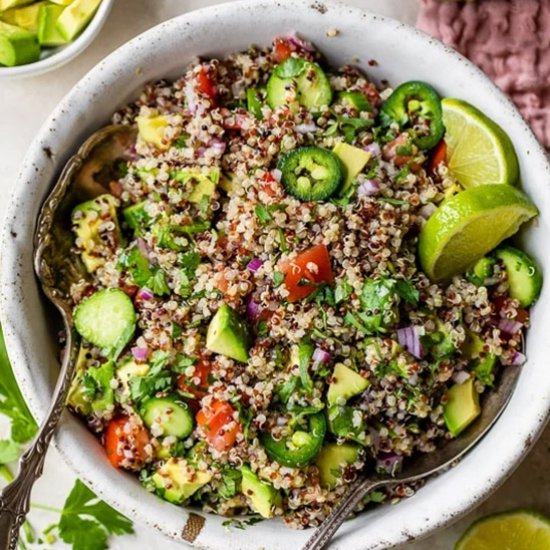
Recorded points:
(187, 255)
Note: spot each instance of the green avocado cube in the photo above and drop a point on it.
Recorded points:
(333, 459)
(75, 18)
(48, 35)
(6, 4)
(17, 46)
(177, 480)
(462, 407)
(25, 17)
(345, 383)
(228, 335)
(262, 497)
(353, 159)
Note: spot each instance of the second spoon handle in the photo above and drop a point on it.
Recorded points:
(343, 510)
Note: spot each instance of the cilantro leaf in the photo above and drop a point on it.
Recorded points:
(157, 379)
(278, 278)
(342, 292)
(9, 451)
(263, 214)
(12, 405)
(407, 291)
(86, 522)
(292, 67)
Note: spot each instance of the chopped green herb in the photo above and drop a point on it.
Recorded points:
(278, 278)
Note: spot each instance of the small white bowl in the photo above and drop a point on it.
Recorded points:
(53, 58)
(385, 49)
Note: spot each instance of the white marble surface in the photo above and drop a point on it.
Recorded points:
(24, 105)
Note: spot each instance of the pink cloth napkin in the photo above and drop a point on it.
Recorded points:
(509, 40)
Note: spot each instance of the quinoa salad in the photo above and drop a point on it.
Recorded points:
(261, 322)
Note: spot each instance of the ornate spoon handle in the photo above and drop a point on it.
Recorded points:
(344, 509)
(15, 497)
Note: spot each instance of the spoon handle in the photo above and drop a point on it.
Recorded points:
(15, 497)
(342, 510)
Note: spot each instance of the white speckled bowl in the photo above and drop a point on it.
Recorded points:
(402, 53)
(53, 58)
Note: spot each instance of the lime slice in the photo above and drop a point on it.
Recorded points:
(517, 530)
(468, 225)
(478, 150)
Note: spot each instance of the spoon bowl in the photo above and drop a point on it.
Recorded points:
(85, 176)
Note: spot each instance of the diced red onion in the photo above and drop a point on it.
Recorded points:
(509, 326)
(201, 151)
(252, 308)
(409, 338)
(306, 128)
(389, 462)
(295, 40)
(518, 359)
(218, 146)
(373, 148)
(320, 356)
(277, 174)
(368, 188)
(255, 264)
(140, 354)
(144, 294)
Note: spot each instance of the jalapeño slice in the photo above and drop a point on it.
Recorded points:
(311, 173)
(416, 105)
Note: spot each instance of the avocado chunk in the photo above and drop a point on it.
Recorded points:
(25, 17)
(48, 35)
(228, 335)
(347, 422)
(261, 496)
(17, 46)
(177, 480)
(151, 130)
(482, 363)
(6, 4)
(98, 239)
(462, 407)
(524, 275)
(201, 184)
(345, 383)
(91, 390)
(333, 459)
(228, 182)
(75, 18)
(354, 160)
(61, 2)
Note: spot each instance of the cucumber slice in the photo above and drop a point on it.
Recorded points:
(297, 82)
(106, 319)
(17, 46)
(172, 415)
(524, 276)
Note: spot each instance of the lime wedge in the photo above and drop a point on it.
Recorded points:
(478, 150)
(467, 226)
(517, 530)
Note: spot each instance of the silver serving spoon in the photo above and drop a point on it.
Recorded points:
(421, 466)
(85, 176)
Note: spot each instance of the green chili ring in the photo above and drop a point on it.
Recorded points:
(301, 447)
(416, 98)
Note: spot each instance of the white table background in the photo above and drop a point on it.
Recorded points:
(25, 104)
